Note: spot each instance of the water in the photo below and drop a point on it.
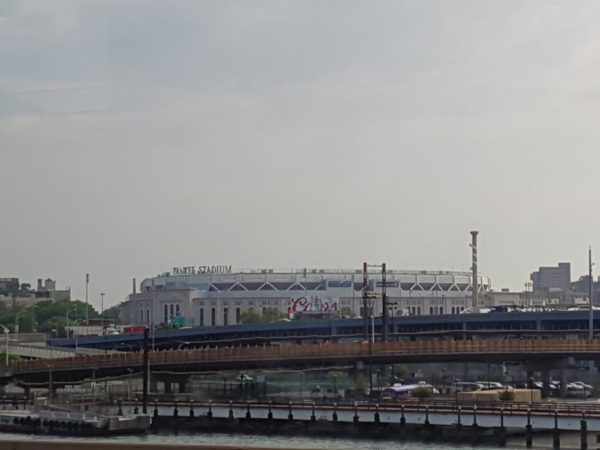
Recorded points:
(276, 442)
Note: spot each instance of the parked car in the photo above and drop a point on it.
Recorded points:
(585, 386)
(490, 385)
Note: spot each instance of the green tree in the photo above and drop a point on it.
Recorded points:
(361, 387)
(399, 370)
(267, 315)
(45, 316)
(422, 393)
(250, 316)
(272, 314)
(112, 313)
(11, 357)
(336, 376)
(506, 396)
(346, 311)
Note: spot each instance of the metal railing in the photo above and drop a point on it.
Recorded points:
(555, 347)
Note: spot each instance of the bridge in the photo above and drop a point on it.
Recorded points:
(546, 324)
(78, 368)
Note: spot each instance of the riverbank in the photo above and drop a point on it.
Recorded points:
(81, 445)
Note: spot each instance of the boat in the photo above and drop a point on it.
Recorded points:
(71, 423)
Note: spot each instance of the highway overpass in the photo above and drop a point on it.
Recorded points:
(546, 324)
(78, 368)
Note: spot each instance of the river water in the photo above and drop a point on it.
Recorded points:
(277, 442)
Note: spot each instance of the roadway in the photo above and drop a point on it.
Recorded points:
(47, 352)
(458, 326)
(78, 368)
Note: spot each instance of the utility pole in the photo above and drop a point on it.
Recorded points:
(591, 287)
(146, 374)
(102, 304)
(365, 296)
(384, 336)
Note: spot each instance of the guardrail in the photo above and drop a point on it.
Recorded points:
(562, 347)
(41, 351)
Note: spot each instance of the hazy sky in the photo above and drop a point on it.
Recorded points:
(139, 135)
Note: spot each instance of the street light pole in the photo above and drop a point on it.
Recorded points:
(384, 314)
(528, 292)
(67, 327)
(102, 294)
(365, 296)
(6, 331)
(87, 307)
(372, 328)
(17, 317)
(591, 287)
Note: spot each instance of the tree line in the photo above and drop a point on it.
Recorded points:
(47, 316)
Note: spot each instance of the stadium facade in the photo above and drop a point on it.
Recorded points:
(216, 295)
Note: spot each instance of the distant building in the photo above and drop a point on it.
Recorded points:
(47, 289)
(505, 297)
(218, 296)
(581, 289)
(9, 286)
(12, 293)
(548, 279)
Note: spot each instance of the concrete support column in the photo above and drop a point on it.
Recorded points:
(185, 385)
(546, 380)
(583, 438)
(153, 384)
(168, 387)
(563, 382)
(555, 440)
(360, 372)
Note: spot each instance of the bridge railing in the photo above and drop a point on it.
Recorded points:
(332, 351)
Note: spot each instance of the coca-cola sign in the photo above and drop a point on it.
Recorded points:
(314, 305)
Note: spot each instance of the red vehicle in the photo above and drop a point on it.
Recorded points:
(134, 329)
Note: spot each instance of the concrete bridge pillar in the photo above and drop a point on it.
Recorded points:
(546, 380)
(545, 366)
(185, 385)
(360, 373)
(592, 371)
(563, 382)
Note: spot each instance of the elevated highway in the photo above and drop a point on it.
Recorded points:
(543, 324)
(77, 368)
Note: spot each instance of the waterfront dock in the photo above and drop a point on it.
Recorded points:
(82, 445)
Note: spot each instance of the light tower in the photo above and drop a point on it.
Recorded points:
(475, 280)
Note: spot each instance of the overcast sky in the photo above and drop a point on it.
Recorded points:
(139, 135)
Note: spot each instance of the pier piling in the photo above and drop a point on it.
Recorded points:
(583, 431)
